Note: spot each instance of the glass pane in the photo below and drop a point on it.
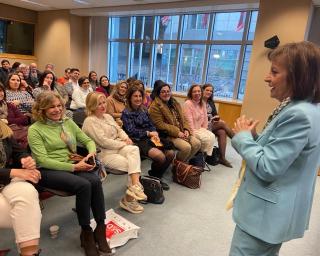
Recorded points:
(2, 35)
(252, 26)
(164, 63)
(168, 27)
(142, 27)
(119, 27)
(140, 61)
(118, 61)
(244, 72)
(223, 62)
(195, 27)
(229, 26)
(190, 66)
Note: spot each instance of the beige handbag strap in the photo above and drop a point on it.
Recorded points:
(236, 186)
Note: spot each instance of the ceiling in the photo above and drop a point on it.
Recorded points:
(46, 5)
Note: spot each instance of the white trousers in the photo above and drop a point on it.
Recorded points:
(20, 209)
(206, 138)
(127, 159)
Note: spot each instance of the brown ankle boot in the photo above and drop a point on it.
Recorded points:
(100, 238)
(29, 250)
(88, 243)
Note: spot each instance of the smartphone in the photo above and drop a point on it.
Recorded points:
(91, 160)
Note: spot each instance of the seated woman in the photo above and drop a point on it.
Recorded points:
(146, 100)
(19, 198)
(9, 113)
(168, 117)
(93, 79)
(139, 127)
(117, 101)
(215, 124)
(53, 140)
(104, 86)
(21, 99)
(117, 150)
(196, 113)
(24, 86)
(79, 95)
(46, 83)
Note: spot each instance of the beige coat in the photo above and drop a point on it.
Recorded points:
(164, 120)
(106, 133)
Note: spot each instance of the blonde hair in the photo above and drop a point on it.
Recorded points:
(5, 131)
(43, 102)
(92, 102)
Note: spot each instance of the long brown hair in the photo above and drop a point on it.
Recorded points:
(189, 95)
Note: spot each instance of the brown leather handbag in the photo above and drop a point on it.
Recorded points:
(186, 174)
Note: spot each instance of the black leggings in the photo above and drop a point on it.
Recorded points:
(85, 185)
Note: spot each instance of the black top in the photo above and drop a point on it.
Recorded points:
(14, 154)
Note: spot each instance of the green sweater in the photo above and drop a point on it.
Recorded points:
(49, 149)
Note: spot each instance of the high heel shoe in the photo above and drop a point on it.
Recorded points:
(100, 238)
(88, 243)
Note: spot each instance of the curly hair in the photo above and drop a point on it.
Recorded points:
(43, 103)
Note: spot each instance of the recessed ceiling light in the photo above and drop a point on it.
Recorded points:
(81, 2)
(31, 2)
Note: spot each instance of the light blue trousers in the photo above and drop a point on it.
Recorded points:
(244, 244)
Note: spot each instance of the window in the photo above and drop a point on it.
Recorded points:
(118, 61)
(190, 67)
(184, 49)
(223, 62)
(16, 37)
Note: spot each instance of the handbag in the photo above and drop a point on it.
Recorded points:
(186, 174)
(214, 159)
(153, 189)
(98, 169)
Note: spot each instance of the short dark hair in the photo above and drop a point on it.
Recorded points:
(131, 91)
(156, 90)
(74, 69)
(81, 80)
(3, 61)
(302, 61)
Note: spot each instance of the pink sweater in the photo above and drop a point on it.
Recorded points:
(196, 115)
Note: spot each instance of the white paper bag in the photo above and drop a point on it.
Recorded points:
(118, 229)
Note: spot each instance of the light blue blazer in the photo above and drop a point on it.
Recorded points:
(274, 200)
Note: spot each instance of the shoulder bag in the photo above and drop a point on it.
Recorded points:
(186, 174)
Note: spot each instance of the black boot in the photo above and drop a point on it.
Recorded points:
(100, 238)
(88, 243)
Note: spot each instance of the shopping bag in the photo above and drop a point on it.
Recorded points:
(118, 229)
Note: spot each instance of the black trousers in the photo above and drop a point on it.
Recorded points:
(87, 188)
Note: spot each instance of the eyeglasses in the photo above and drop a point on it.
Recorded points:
(165, 92)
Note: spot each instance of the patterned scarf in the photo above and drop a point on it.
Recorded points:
(277, 110)
(65, 135)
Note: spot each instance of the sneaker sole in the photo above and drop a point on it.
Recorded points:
(123, 206)
(132, 194)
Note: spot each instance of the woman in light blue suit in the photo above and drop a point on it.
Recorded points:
(274, 200)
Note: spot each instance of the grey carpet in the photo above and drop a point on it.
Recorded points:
(189, 223)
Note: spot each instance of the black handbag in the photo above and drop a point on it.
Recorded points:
(214, 159)
(153, 189)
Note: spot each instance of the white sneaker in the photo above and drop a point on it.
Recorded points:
(136, 191)
(131, 206)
